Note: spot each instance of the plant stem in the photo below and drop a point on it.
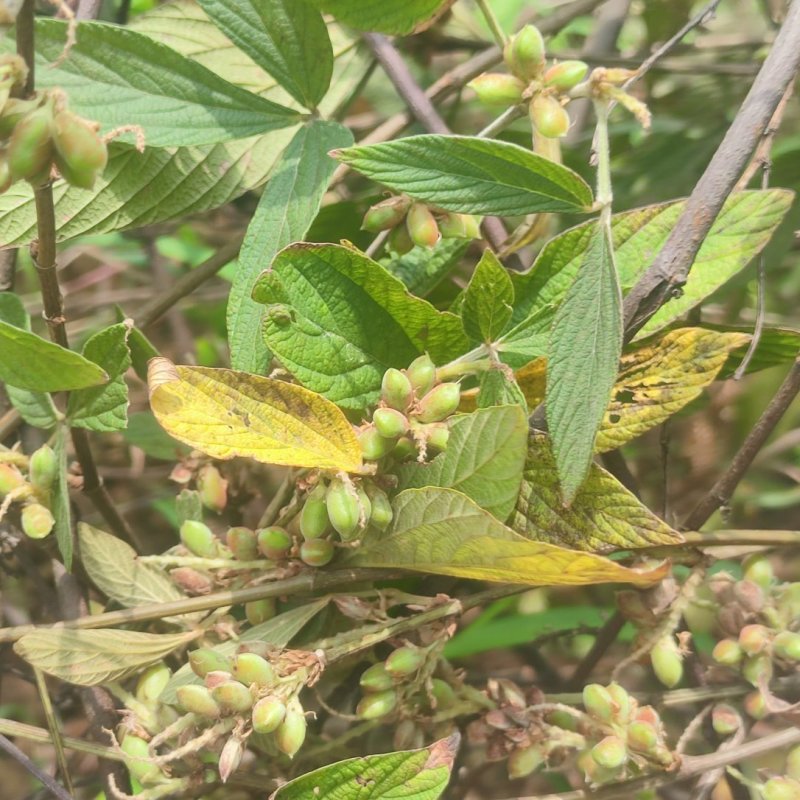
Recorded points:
(605, 194)
(494, 25)
(509, 116)
(52, 724)
(21, 730)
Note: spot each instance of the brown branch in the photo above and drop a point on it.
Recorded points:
(55, 788)
(605, 638)
(668, 272)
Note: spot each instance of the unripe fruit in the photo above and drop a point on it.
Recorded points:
(30, 148)
(230, 757)
(205, 660)
(755, 705)
(405, 448)
(386, 214)
(275, 542)
(213, 488)
(242, 543)
(404, 661)
(80, 154)
(562, 719)
(598, 702)
(459, 226)
(549, 117)
(317, 552)
(400, 241)
(498, 89)
(610, 752)
(291, 733)
(258, 611)
(408, 736)
(757, 668)
(781, 789)
(268, 714)
(10, 478)
(343, 508)
(793, 763)
(198, 538)
(233, 697)
(642, 736)
(13, 111)
(217, 677)
(390, 423)
(758, 568)
(396, 389)
(437, 435)
(439, 403)
(749, 595)
(525, 760)
(524, 54)
(622, 703)
(443, 694)
(376, 678)
(787, 645)
(724, 719)
(422, 227)
(198, 700)
(37, 520)
(727, 652)
(379, 704)
(43, 468)
(314, 519)
(667, 662)
(381, 507)
(422, 374)
(251, 668)
(373, 445)
(152, 682)
(565, 75)
(140, 763)
(754, 639)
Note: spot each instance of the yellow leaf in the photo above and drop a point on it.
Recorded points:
(225, 414)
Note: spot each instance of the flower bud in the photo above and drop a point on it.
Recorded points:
(205, 660)
(291, 733)
(258, 611)
(400, 241)
(622, 703)
(373, 445)
(233, 697)
(213, 488)
(787, 645)
(198, 700)
(422, 226)
(757, 668)
(242, 543)
(152, 682)
(754, 639)
(30, 148)
(724, 719)
(43, 468)
(376, 678)
(525, 760)
(565, 75)
(396, 389)
(381, 507)
(376, 705)
(249, 668)
(758, 568)
(390, 423)
(443, 694)
(275, 543)
(386, 215)
(610, 752)
(37, 520)
(755, 705)
(597, 702)
(198, 538)
(230, 757)
(404, 661)
(781, 789)
(549, 117)
(498, 89)
(317, 552)
(80, 154)
(192, 581)
(439, 403)
(524, 53)
(268, 714)
(667, 662)
(343, 508)
(140, 764)
(642, 736)
(10, 478)
(314, 520)
(615, 75)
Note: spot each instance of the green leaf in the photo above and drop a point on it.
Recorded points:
(144, 432)
(527, 340)
(36, 408)
(603, 516)
(422, 270)
(104, 408)
(405, 775)
(118, 77)
(140, 347)
(775, 346)
(89, 657)
(287, 38)
(410, 16)
(495, 388)
(443, 532)
(337, 320)
(585, 347)
(278, 632)
(488, 300)
(285, 211)
(59, 496)
(484, 459)
(471, 175)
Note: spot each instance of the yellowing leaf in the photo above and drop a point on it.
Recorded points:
(603, 516)
(443, 532)
(226, 414)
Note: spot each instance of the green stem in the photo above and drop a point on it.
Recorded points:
(605, 194)
(503, 121)
(459, 368)
(21, 730)
(494, 25)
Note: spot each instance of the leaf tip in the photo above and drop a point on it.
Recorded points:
(160, 370)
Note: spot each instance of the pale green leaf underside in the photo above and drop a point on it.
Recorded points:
(401, 18)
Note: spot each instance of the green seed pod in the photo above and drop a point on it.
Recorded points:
(140, 764)
(724, 719)
(343, 508)
(196, 699)
(524, 761)
(787, 645)
(258, 611)
(754, 639)
(757, 668)
(13, 111)
(291, 733)
(381, 507)
(422, 226)
(43, 468)
(80, 154)
(405, 448)
(642, 736)
(242, 543)
(268, 714)
(400, 241)
(314, 519)
(233, 697)
(213, 488)
(610, 752)
(453, 226)
(396, 389)
(198, 538)
(275, 543)
(10, 479)
(443, 694)
(524, 53)
(404, 661)
(755, 705)
(622, 703)
(205, 660)
(565, 75)
(376, 678)
(727, 652)
(758, 568)
(37, 520)
(249, 668)
(152, 682)
(439, 403)
(30, 148)
(317, 552)
(549, 117)
(667, 662)
(230, 757)
(793, 763)
(390, 423)
(422, 373)
(598, 702)
(781, 789)
(562, 719)
(379, 704)
(386, 215)
(498, 89)
(373, 445)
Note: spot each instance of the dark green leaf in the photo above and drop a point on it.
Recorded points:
(527, 340)
(144, 432)
(488, 300)
(409, 16)
(423, 270)
(498, 389)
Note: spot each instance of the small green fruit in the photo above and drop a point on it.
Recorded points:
(549, 117)
(727, 652)
(198, 538)
(622, 703)
(379, 704)
(213, 488)
(396, 389)
(37, 520)
(787, 645)
(610, 752)
(30, 148)
(498, 89)
(249, 668)
(408, 735)
(598, 702)
(10, 479)
(343, 508)
(757, 668)
(80, 154)
(404, 661)
(642, 736)
(667, 662)
(565, 75)
(205, 660)
(459, 226)
(374, 446)
(422, 371)
(422, 226)
(758, 568)
(524, 761)
(275, 543)
(793, 763)
(314, 519)
(754, 639)
(13, 111)
(140, 764)
(400, 241)
(390, 424)
(386, 215)
(152, 682)
(233, 697)
(258, 611)
(43, 468)
(781, 789)
(381, 507)
(439, 403)
(291, 733)
(268, 714)
(755, 705)
(198, 700)
(524, 53)
(724, 719)
(242, 543)
(443, 694)
(376, 678)
(405, 448)
(317, 552)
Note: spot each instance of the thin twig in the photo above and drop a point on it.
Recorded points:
(498, 34)
(11, 727)
(52, 724)
(54, 788)
(605, 638)
(503, 121)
